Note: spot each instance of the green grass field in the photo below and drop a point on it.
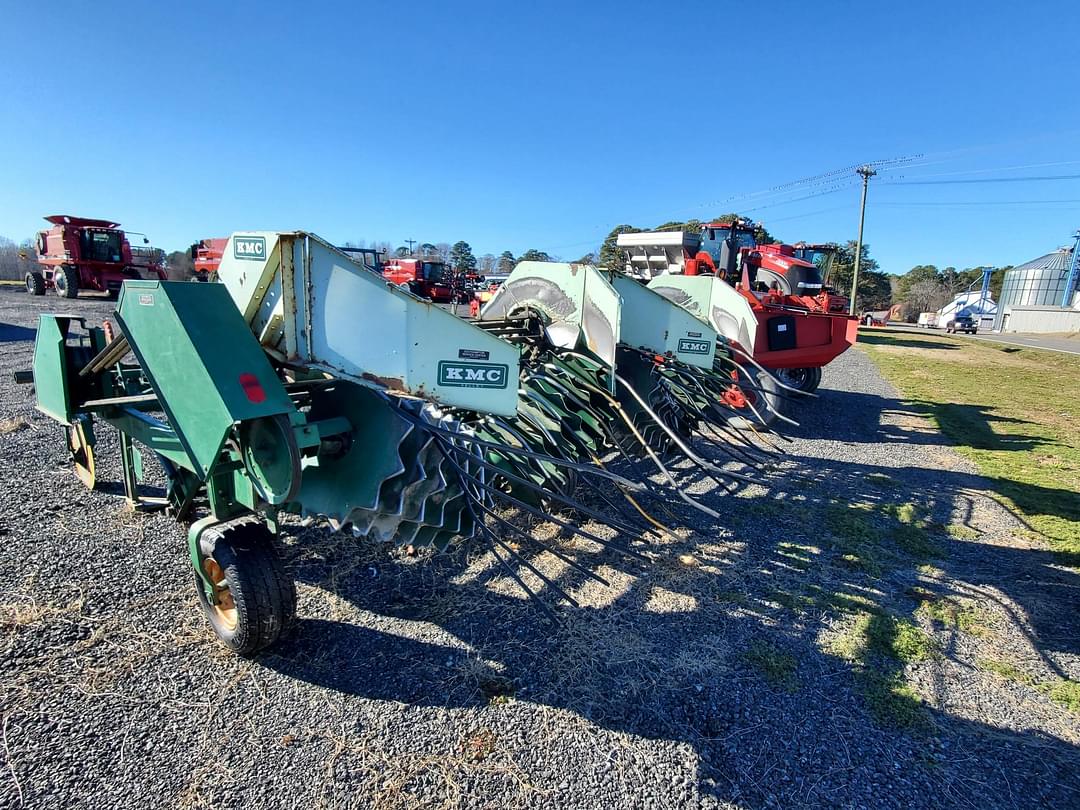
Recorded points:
(1014, 412)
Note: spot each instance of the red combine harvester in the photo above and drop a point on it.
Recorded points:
(206, 256)
(90, 254)
(781, 311)
(427, 278)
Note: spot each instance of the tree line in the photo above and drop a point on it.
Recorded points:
(923, 288)
(459, 256)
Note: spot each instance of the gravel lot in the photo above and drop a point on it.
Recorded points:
(711, 678)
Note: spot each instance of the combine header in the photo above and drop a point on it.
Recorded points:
(265, 394)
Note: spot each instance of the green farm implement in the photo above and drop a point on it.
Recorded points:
(301, 383)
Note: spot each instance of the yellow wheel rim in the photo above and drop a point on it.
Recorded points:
(225, 607)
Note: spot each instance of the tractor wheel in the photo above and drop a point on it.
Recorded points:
(815, 380)
(35, 283)
(66, 281)
(255, 601)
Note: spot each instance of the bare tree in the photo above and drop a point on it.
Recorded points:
(442, 250)
(16, 260)
(928, 295)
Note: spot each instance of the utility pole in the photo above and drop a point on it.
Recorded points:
(410, 243)
(866, 172)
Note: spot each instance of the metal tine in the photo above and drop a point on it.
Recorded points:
(652, 455)
(558, 589)
(746, 382)
(628, 527)
(611, 437)
(584, 569)
(781, 383)
(621, 510)
(763, 463)
(487, 534)
(586, 468)
(552, 519)
(751, 386)
(622, 529)
(529, 454)
(634, 463)
(718, 422)
(678, 441)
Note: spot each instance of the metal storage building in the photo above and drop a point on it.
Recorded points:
(1038, 284)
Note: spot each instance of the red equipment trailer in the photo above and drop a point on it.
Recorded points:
(427, 278)
(800, 324)
(206, 256)
(89, 254)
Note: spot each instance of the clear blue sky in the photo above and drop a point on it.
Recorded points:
(514, 125)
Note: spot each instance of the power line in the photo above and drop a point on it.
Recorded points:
(998, 169)
(979, 202)
(1033, 179)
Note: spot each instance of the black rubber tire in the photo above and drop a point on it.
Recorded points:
(66, 281)
(263, 594)
(35, 283)
(813, 381)
(806, 380)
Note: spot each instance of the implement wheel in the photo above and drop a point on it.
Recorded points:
(254, 601)
(806, 380)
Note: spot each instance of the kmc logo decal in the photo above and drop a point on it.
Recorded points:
(695, 346)
(473, 375)
(249, 247)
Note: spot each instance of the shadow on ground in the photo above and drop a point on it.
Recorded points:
(908, 342)
(854, 553)
(9, 333)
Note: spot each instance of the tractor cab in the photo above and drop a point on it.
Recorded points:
(775, 268)
(822, 256)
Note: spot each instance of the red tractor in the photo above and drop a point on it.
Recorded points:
(427, 278)
(789, 318)
(90, 254)
(206, 256)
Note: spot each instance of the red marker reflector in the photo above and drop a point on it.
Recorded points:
(252, 387)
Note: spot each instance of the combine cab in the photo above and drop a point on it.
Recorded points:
(90, 254)
(770, 299)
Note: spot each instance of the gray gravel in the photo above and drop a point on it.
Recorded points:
(431, 683)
